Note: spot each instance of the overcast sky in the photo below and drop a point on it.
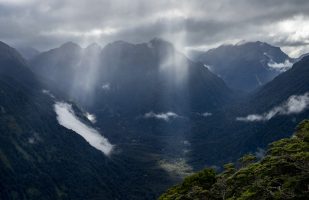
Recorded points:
(190, 24)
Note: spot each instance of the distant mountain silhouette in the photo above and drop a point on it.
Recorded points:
(132, 77)
(246, 66)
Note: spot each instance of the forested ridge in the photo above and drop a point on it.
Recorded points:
(283, 173)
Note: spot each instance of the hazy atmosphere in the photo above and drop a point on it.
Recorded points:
(154, 99)
(196, 24)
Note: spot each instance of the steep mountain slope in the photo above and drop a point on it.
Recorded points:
(301, 57)
(246, 66)
(143, 96)
(165, 113)
(58, 63)
(28, 52)
(32, 164)
(148, 96)
(41, 159)
(281, 103)
(154, 75)
(293, 82)
(249, 125)
(281, 174)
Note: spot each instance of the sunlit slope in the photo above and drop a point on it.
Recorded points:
(136, 78)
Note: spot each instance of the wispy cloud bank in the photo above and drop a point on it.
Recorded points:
(163, 116)
(67, 118)
(294, 105)
(281, 67)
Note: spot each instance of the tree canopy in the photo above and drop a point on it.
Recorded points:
(283, 173)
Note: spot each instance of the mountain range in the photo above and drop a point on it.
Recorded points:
(246, 66)
(132, 77)
(281, 103)
(158, 115)
(43, 157)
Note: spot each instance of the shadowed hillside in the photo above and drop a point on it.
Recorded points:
(281, 174)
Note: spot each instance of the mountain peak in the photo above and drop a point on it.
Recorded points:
(2, 44)
(7, 52)
(5, 48)
(258, 44)
(159, 42)
(93, 45)
(244, 43)
(119, 42)
(246, 65)
(70, 45)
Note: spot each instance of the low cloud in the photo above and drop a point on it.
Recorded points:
(162, 116)
(34, 138)
(47, 92)
(91, 117)
(106, 86)
(209, 67)
(294, 105)
(281, 67)
(206, 114)
(186, 143)
(260, 153)
(177, 167)
(67, 118)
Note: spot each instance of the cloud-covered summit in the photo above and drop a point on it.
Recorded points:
(196, 24)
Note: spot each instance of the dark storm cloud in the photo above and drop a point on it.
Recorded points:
(189, 24)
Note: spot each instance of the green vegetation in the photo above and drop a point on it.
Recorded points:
(282, 174)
